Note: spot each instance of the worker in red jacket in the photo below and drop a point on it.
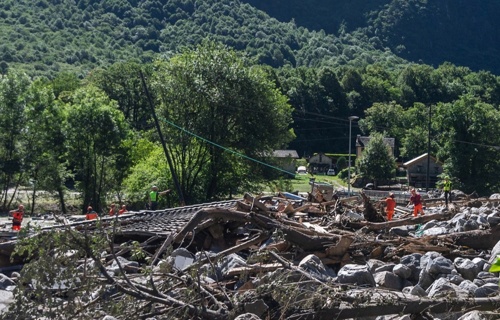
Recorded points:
(122, 210)
(416, 200)
(17, 217)
(112, 210)
(91, 214)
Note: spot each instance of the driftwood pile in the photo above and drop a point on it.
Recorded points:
(289, 234)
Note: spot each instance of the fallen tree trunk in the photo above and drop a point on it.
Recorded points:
(475, 239)
(445, 244)
(392, 303)
(396, 223)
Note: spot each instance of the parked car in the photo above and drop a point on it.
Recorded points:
(369, 186)
(302, 170)
(330, 172)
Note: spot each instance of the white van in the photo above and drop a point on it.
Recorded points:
(302, 169)
(330, 172)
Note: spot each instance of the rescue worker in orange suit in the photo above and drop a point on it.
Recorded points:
(122, 210)
(112, 210)
(91, 214)
(390, 206)
(17, 217)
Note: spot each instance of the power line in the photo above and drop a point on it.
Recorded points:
(226, 149)
(478, 144)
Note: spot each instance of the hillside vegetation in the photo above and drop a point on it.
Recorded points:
(458, 31)
(46, 37)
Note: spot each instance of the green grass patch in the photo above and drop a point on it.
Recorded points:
(301, 183)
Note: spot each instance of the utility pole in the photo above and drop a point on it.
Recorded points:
(428, 150)
(167, 155)
(351, 119)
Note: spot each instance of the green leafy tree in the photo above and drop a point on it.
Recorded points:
(95, 131)
(377, 162)
(420, 83)
(469, 140)
(318, 101)
(213, 107)
(13, 89)
(150, 169)
(44, 142)
(379, 84)
(415, 123)
(341, 163)
(384, 117)
(65, 83)
(122, 83)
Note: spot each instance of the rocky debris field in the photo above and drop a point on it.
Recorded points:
(288, 257)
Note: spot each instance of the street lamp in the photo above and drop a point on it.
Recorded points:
(351, 119)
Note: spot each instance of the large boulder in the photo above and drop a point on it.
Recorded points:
(389, 280)
(412, 261)
(402, 271)
(444, 288)
(487, 290)
(356, 274)
(439, 265)
(313, 265)
(466, 268)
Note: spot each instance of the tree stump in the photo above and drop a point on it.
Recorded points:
(370, 212)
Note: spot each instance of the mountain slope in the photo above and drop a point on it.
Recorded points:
(46, 37)
(322, 14)
(431, 31)
(459, 31)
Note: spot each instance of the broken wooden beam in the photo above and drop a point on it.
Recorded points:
(396, 223)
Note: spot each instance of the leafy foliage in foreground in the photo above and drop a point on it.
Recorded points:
(60, 269)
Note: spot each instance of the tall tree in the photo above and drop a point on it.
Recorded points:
(122, 83)
(384, 117)
(95, 131)
(416, 125)
(13, 88)
(44, 142)
(469, 140)
(420, 83)
(377, 162)
(214, 106)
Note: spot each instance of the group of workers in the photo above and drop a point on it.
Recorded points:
(154, 194)
(152, 204)
(415, 200)
(91, 214)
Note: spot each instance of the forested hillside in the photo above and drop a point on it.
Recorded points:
(48, 36)
(45, 37)
(459, 31)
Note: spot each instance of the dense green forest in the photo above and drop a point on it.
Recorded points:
(230, 83)
(425, 31)
(51, 36)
